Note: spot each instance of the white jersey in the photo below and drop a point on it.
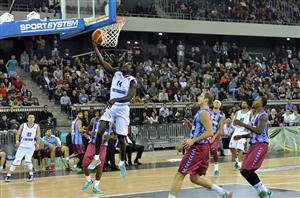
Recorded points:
(245, 118)
(28, 136)
(120, 86)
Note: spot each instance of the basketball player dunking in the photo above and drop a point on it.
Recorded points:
(123, 89)
(259, 144)
(196, 159)
(237, 146)
(218, 121)
(30, 141)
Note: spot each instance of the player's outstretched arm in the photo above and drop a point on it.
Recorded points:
(129, 97)
(108, 68)
(263, 120)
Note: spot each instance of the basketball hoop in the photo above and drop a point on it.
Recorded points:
(111, 33)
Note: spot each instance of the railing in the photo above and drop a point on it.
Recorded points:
(168, 15)
(184, 16)
(225, 103)
(153, 136)
(21, 109)
(17, 7)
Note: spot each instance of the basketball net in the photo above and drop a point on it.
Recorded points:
(111, 33)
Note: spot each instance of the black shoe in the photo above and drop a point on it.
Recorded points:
(7, 179)
(129, 163)
(29, 178)
(136, 162)
(114, 168)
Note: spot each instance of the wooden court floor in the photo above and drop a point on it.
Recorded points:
(280, 173)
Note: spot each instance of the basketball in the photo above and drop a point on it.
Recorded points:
(97, 36)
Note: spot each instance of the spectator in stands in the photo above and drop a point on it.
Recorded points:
(25, 61)
(53, 148)
(288, 118)
(45, 81)
(163, 96)
(153, 118)
(274, 118)
(3, 91)
(83, 97)
(153, 92)
(65, 102)
(11, 66)
(222, 94)
(289, 106)
(296, 117)
(74, 97)
(180, 52)
(58, 75)
(131, 147)
(47, 117)
(34, 70)
(139, 8)
(3, 68)
(18, 84)
(67, 57)
(164, 113)
(41, 44)
(4, 123)
(161, 50)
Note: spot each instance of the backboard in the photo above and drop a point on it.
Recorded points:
(96, 13)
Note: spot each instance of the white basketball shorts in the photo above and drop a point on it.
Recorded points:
(118, 114)
(237, 144)
(21, 152)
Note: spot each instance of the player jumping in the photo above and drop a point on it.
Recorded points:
(123, 89)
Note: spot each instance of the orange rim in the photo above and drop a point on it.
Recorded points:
(120, 20)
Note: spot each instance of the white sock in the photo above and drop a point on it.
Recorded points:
(216, 167)
(31, 172)
(121, 163)
(218, 189)
(240, 164)
(171, 196)
(8, 174)
(97, 182)
(96, 157)
(237, 160)
(260, 187)
(67, 158)
(88, 178)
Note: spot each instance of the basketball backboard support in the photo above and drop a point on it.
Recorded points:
(96, 14)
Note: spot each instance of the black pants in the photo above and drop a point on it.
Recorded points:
(130, 148)
(110, 154)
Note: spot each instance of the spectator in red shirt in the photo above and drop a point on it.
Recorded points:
(3, 90)
(18, 83)
(224, 81)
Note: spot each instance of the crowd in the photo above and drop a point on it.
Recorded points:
(177, 73)
(13, 90)
(280, 12)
